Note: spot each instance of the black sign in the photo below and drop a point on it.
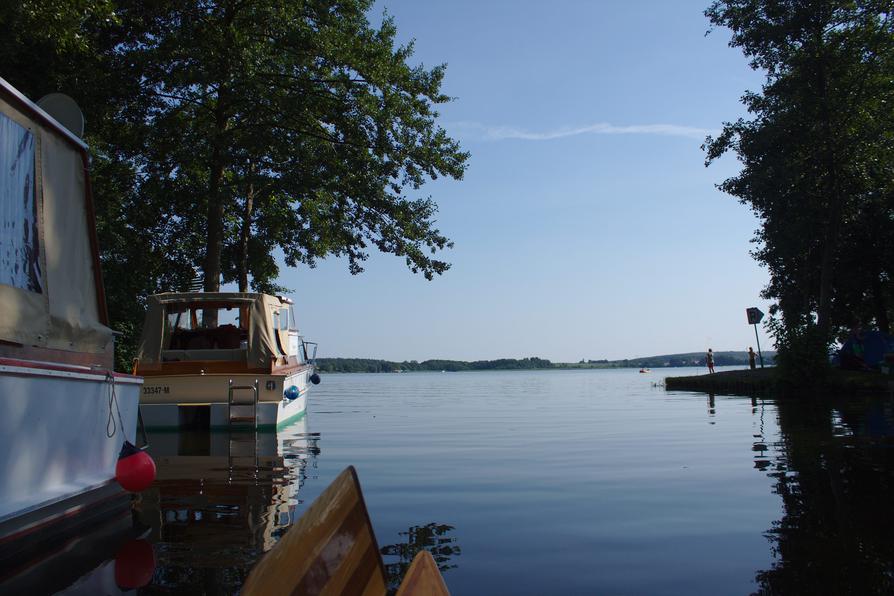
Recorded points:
(754, 315)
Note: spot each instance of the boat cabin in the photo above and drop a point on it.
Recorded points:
(64, 414)
(217, 332)
(50, 281)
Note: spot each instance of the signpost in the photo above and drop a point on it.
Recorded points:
(755, 315)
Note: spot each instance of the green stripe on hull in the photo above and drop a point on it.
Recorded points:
(291, 419)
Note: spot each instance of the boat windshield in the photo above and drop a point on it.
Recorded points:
(206, 326)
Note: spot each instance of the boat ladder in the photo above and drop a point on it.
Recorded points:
(239, 418)
(243, 459)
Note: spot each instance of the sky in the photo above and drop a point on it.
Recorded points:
(587, 225)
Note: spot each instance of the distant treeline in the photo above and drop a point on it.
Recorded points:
(672, 360)
(372, 365)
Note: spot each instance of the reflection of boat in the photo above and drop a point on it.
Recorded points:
(87, 564)
(221, 499)
(212, 360)
(63, 414)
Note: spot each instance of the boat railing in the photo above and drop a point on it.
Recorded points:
(310, 351)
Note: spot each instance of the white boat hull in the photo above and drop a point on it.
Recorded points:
(54, 428)
(166, 400)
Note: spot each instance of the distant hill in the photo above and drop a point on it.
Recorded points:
(668, 360)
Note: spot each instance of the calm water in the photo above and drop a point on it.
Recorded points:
(550, 482)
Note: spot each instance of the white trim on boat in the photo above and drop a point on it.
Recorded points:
(87, 375)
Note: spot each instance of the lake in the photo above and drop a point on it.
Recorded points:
(550, 482)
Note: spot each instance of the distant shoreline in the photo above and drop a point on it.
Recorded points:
(371, 365)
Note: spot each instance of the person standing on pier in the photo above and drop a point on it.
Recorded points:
(709, 358)
(751, 358)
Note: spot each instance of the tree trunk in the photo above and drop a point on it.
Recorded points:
(215, 229)
(880, 302)
(214, 241)
(827, 266)
(833, 224)
(218, 164)
(246, 234)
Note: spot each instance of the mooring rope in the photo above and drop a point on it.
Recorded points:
(111, 425)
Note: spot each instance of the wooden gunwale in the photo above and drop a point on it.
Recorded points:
(198, 367)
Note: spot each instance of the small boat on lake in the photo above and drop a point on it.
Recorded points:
(64, 413)
(213, 360)
(644, 370)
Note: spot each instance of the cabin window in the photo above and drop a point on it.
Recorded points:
(19, 248)
(284, 319)
(281, 319)
(206, 327)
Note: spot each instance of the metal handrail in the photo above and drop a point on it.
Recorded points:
(312, 358)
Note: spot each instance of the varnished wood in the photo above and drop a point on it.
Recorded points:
(331, 550)
(94, 242)
(290, 368)
(103, 359)
(195, 367)
(423, 578)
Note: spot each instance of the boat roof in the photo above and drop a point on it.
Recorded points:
(262, 338)
(188, 297)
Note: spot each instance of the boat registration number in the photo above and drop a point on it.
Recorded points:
(155, 389)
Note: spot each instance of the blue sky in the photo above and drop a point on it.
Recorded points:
(587, 225)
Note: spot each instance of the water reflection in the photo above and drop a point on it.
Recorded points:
(100, 559)
(759, 446)
(834, 470)
(220, 501)
(433, 537)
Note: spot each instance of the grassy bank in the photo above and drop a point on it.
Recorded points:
(767, 381)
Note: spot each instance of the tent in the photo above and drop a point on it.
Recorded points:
(871, 345)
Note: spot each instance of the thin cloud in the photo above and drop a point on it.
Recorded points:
(501, 133)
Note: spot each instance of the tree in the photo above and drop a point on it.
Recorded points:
(51, 45)
(310, 129)
(221, 131)
(816, 161)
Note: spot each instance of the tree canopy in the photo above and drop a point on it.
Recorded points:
(225, 132)
(817, 161)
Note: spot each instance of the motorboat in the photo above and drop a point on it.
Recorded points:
(215, 360)
(64, 413)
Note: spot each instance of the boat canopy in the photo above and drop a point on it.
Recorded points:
(50, 282)
(200, 326)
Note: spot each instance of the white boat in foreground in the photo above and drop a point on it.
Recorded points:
(213, 360)
(64, 414)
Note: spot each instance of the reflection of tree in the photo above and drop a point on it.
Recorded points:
(834, 471)
(431, 537)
